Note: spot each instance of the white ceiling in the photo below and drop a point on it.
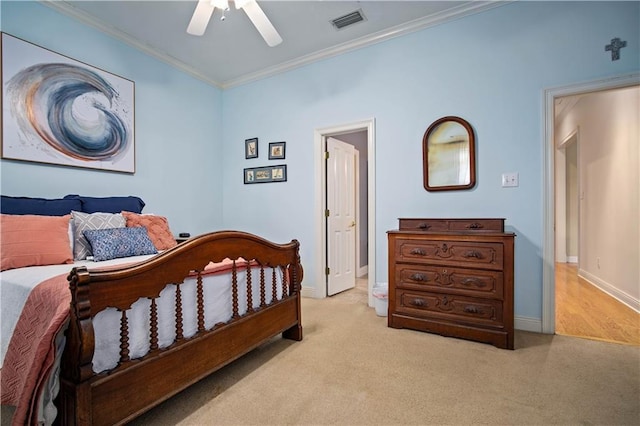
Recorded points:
(232, 52)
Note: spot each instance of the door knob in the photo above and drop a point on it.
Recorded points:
(353, 223)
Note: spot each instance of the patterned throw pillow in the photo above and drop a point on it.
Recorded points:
(119, 242)
(86, 221)
(157, 227)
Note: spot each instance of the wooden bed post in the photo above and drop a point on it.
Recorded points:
(76, 367)
(296, 274)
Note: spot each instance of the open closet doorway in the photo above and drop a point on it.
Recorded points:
(361, 137)
(584, 176)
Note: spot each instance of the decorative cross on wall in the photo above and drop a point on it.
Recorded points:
(615, 47)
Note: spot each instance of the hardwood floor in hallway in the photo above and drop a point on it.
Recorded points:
(583, 310)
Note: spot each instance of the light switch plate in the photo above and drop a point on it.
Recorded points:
(509, 180)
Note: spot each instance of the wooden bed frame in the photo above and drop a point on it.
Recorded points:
(136, 385)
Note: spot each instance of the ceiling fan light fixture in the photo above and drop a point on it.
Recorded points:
(205, 8)
(220, 4)
(241, 3)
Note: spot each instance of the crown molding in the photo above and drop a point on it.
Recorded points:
(65, 7)
(461, 11)
(387, 34)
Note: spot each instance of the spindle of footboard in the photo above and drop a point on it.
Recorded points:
(285, 282)
(200, 301)
(263, 296)
(153, 344)
(124, 337)
(274, 285)
(249, 290)
(178, 312)
(234, 289)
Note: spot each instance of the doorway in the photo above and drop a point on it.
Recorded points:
(343, 221)
(367, 192)
(549, 189)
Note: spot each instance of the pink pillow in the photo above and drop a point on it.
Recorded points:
(157, 228)
(30, 240)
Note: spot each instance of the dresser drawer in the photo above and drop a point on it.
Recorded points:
(473, 282)
(449, 307)
(440, 225)
(489, 255)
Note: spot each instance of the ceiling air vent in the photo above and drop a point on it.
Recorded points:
(348, 19)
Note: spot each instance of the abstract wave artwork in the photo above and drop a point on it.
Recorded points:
(60, 111)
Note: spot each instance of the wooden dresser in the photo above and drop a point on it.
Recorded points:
(453, 277)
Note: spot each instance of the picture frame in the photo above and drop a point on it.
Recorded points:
(251, 148)
(58, 110)
(277, 150)
(449, 162)
(265, 174)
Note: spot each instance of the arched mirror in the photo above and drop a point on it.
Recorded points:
(448, 149)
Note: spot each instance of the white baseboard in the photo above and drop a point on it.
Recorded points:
(572, 259)
(528, 324)
(362, 271)
(311, 292)
(612, 291)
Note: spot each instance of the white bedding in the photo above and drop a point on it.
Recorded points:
(16, 284)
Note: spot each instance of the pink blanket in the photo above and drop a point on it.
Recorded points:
(31, 351)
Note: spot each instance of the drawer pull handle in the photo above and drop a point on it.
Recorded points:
(418, 302)
(472, 309)
(418, 277)
(473, 281)
(418, 251)
(475, 225)
(474, 253)
(424, 226)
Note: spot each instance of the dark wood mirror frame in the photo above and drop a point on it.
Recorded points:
(437, 175)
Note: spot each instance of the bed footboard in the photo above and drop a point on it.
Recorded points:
(262, 305)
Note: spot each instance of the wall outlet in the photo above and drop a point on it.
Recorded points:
(509, 180)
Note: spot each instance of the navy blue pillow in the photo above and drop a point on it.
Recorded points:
(108, 204)
(38, 206)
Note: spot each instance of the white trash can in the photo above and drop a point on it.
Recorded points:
(381, 299)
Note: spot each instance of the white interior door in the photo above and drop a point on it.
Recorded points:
(341, 219)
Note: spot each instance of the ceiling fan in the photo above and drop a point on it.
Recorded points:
(204, 11)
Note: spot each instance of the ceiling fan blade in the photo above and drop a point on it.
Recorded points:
(200, 18)
(262, 23)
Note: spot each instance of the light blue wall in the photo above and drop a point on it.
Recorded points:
(490, 68)
(177, 127)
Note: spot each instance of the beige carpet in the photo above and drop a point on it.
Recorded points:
(351, 369)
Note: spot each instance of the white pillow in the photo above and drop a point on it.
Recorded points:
(83, 221)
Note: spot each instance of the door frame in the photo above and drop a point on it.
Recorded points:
(548, 188)
(320, 202)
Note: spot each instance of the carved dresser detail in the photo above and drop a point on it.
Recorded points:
(453, 277)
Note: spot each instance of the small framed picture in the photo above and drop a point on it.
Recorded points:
(265, 174)
(276, 150)
(251, 148)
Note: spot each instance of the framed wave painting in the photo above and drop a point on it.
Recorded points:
(57, 110)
